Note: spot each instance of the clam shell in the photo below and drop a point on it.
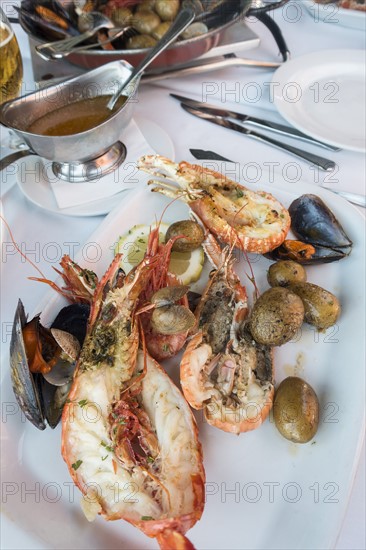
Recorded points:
(67, 342)
(172, 319)
(169, 295)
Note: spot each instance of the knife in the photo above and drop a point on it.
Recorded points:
(200, 154)
(323, 163)
(258, 122)
(354, 198)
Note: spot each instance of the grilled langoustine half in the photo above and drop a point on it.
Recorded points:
(128, 436)
(256, 221)
(223, 370)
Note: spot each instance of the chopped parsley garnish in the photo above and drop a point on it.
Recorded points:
(83, 402)
(104, 457)
(76, 464)
(150, 459)
(146, 518)
(107, 447)
(239, 193)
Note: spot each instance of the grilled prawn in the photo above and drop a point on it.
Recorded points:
(223, 371)
(256, 221)
(128, 436)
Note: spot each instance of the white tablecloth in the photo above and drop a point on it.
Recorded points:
(43, 236)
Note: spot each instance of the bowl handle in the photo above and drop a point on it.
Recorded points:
(6, 161)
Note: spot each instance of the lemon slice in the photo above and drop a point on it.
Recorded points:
(185, 265)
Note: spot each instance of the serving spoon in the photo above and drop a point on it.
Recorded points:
(190, 9)
(207, 11)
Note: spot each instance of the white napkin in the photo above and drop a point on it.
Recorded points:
(123, 178)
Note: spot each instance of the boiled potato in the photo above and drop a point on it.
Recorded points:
(167, 9)
(145, 22)
(193, 235)
(161, 30)
(296, 410)
(140, 41)
(145, 5)
(276, 317)
(284, 272)
(322, 308)
(121, 17)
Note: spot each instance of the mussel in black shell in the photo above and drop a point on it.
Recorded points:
(39, 356)
(321, 238)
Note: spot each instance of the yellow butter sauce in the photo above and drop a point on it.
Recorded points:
(75, 117)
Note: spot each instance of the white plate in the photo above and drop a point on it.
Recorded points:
(262, 490)
(333, 14)
(35, 184)
(323, 94)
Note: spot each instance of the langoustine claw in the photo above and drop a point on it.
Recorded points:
(223, 371)
(138, 457)
(255, 220)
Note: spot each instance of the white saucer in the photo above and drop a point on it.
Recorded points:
(323, 94)
(36, 187)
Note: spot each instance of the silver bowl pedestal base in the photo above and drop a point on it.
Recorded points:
(91, 169)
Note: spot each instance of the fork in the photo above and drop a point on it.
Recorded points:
(56, 50)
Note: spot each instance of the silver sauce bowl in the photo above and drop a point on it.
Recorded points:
(71, 153)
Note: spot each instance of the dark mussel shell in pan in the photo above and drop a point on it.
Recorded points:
(322, 239)
(41, 19)
(66, 10)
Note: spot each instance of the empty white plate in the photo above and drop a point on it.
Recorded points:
(323, 94)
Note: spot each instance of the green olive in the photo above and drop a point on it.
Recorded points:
(322, 308)
(296, 410)
(284, 272)
(140, 41)
(167, 9)
(145, 22)
(192, 239)
(276, 317)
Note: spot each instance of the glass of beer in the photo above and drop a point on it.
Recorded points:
(11, 67)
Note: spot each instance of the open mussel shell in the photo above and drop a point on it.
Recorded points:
(313, 222)
(24, 387)
(318, 230)
(46, 19)
(38, 398)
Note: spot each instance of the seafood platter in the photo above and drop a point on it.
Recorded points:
(197, 378)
